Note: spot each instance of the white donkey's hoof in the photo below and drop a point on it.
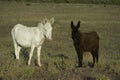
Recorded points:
(28, 64)
(17, 58)
(39, 65)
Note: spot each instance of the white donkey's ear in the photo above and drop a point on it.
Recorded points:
(52, 20)
(44, 21)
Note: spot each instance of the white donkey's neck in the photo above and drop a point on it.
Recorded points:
(42, 30)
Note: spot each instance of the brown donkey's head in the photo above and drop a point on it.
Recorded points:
(73, 27)
(75, 32)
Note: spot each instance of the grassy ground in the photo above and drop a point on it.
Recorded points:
(58, 57)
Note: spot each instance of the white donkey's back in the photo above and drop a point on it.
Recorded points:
(27, 36)
(24, 36)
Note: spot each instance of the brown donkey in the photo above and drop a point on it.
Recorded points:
(85, 42)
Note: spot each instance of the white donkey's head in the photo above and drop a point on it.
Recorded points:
(47, 26)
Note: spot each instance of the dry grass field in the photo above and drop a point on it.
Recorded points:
(58, 57)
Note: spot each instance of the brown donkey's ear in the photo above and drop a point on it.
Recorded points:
(72, 24)
(78, 25)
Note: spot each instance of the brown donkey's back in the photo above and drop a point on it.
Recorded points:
(85, 42)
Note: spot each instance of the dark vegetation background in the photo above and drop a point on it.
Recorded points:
(71, 1)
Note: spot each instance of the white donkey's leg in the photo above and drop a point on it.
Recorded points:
(14, 42)
(38, 54)
(30, 55)
(18, 51)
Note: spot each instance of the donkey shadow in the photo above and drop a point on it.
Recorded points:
(60, 64)
(25, 54)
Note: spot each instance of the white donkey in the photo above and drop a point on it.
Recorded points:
(24, 36)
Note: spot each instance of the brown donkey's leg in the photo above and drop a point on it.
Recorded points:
(80, 58)
(94, 57)
(97, 56)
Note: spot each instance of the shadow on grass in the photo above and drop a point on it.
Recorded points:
(13, 53)
(59, 60)
(89, 78)
(58, 55)
(25, 55)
